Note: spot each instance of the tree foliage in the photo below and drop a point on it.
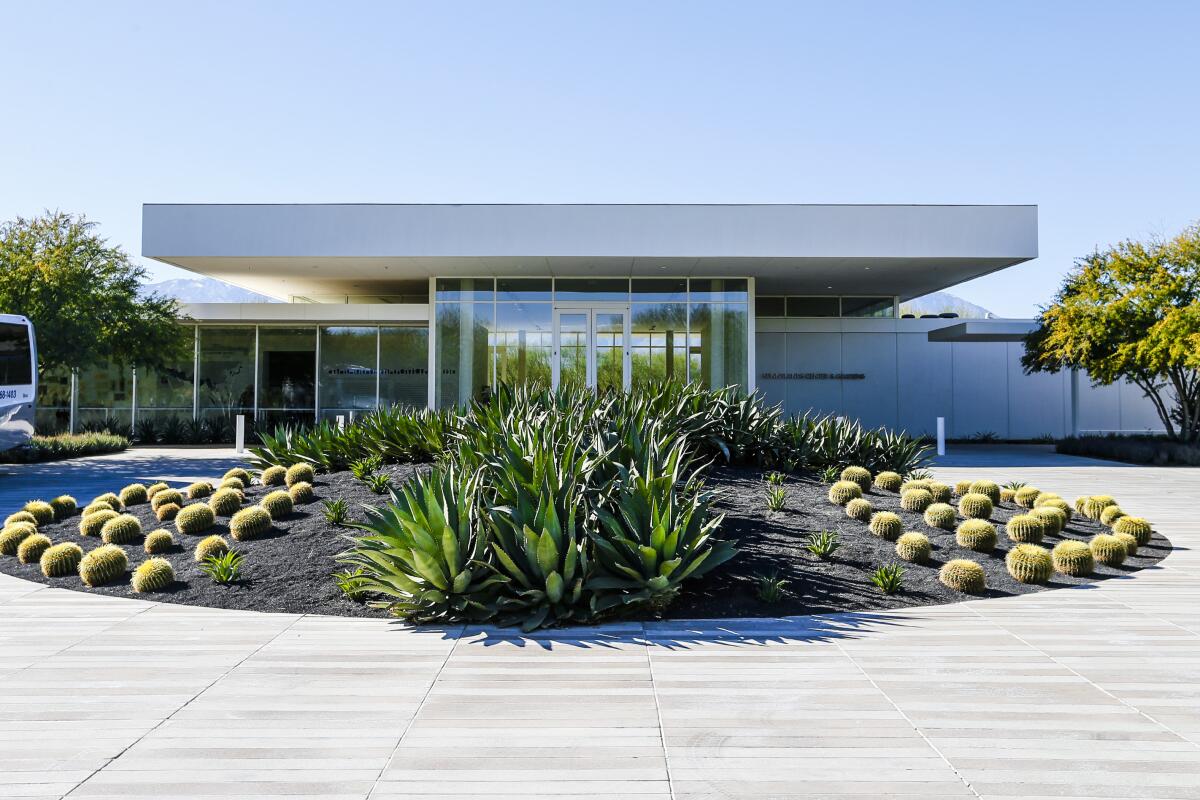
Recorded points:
(1131, 312)
(83, 297)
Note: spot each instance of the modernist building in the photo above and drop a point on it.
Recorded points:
(434, 304)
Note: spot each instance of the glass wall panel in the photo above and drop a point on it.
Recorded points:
(463, 362)
(718, 289)
(404, 366)
(598, 289)
(465, 288)
(868, 307)
(812, 307)
(572, 350)
(717, 344)
(226, 381)
(519, 290)
(659, 343)
(348, 361)
(53, 401)
(610, 349)
(105, 396)
(769, 307)
(167, 391)
(287, 371)
(523, 344)
(660, 289)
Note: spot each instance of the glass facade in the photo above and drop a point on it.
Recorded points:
(225, 381)
(824, 306)
(53, 401)
(169, 391)
(349, 370)
(404, 366)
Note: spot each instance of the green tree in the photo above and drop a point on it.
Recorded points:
(1131, 312)
(83, 297)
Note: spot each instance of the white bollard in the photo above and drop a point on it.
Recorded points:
(941, 442)
(240, 435)
(341, 422)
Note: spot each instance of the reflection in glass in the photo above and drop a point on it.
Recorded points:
(597, 289)
(226, 379)
(867, 307)
(659, 343)
(463, 364)
(769, 307)
(523, 343)
(287, 372)
(572, 350)
(53, 401)
(718, 289)
(404, 366)
(717, 345)
(347, 370)
(812, 307)
(610, 350)
(659, 289)
(449, 289)
(105, 394)
(519, 290)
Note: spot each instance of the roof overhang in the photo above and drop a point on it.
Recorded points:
(281, 250)
(984, 330)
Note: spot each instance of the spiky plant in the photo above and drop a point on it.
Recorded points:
(1130, 542)
(164, 496)
(886, 525)
(843, 492)
(1053, 519)
(775, 478)
(199, 490)
(963, 575)
(122, 529)
(941, 515)
(974, 505)
(976, 534)
(223, 568)
(1048, 496)
(242, 475)
(111, 499)
(277, 503)
(822, 544)
(210, 546)
(1026, 496)
(1110, 515)
(940, 491)
(1136, 527)
(1028, 563)
(860, 509)
(196, 518)
(299, 472)
(858, 475)
(64, 506)
(337, 512)
(1108, 550)
(914, 547)
(961, 488)
(1056, 502)
(225, 502)
(152, 575)
(1094, 506)
(42, 511)
(349, 581)
(134, 494)
(31, 548)
(155, 488)
(888, 481)
(20, 516)
(103, 565)
(92, 508)
(1073, 558)
(1080, 504)
(1006, 495)
(989, 489)
(249, 523)
(916, 500)
(12, 536)
(273, 476)
(301, 492)
(61, 560)
(231, 483)
(888, 579)
(1025, 529)
(91, 524)
(159, 541)
(770, 587)
(914, 484)
(166, 512)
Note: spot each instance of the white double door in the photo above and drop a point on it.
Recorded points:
(591, 347)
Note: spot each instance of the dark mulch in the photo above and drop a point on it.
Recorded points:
(289, 570)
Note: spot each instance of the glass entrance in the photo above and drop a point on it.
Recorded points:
(591, 347)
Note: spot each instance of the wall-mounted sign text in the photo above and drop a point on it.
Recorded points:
(812, 376)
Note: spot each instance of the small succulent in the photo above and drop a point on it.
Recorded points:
(1136, 527)
(976, 534)
(196, 518)
(1028, 563)
(299, 472)
(103, 565)
(919, 475)
(199, 490)
(776, 498)
(1014, 485)
(273, 476)
(42, 511)
(860, 509)
(301, 492)
(1073, 558)
(888, 481)
(830, 475)
(158, 541)
(974, 505)
(64, 506)
(770, 588)
(336, 511)
(365, 467)
(225, 502)
(987, 488)
(941, 515)
(350, 582)
(858, 475)
(822, 544)
(134, 494)
(916, 500)
(210, 546)
(1025, 529)
(1108, 550)
(223, 568)
(774, 478)
(166, 512)
(92, 524)
(963, 575)
(886, 525)
(379, 483)
(61, 560)
(13, 535)
(122, 529)
(31, 548)
(240, 475)
(277, 503)
(914, 547)
(888, 579)
(153, 575)
(250, 523)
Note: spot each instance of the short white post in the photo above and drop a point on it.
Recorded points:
(240, 435)
(341, 422)
(941, 442)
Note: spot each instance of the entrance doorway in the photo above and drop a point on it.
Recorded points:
(591, 347)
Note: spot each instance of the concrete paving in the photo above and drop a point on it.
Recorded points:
(1076, 693)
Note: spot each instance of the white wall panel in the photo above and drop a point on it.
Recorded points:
(980, 388)
(814, 352)
(872, 400)
(1036, 402)
(925, 386)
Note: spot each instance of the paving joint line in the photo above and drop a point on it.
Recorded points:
(662, 735)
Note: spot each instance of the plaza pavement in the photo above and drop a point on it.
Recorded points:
(1076, 693)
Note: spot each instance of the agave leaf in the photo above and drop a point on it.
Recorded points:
(554, 587)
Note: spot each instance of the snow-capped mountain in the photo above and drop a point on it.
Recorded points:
(206, 290)
(941, 302)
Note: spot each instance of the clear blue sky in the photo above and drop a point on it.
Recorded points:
(1090, 110)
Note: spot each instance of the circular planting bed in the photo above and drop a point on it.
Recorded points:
(285, 559)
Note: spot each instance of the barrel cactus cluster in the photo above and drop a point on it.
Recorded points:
(196, 518)
(1025, 529)
(914, 547)
(975, 505)
(941, 515)
(840, 493)
(963, 575)
(103, 565)
(859, 509)
(158, 541)
(1073, 558)
(1028, 563)
(32, 547)
(225, 502)
(210, 546)
(299, 472)
(240, 475)
(301, 492)
(1136, 527)
(250, 523)
(1026, 496)
(13, 534)
(92, 524)
(886, 525)
(279, 503)
(989, 489)
(64, 506)
(888, 481)
(61, 560)
(152, 575)
(41, 511)
(122, 529)
(916, 500)
(134, 494)
(1108, 550)
(976, 534)
(165, 497)
(273, 476)
(859, 475)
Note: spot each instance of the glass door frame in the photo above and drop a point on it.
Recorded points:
(591, 310)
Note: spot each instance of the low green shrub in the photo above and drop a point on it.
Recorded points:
(64, 446)
(12, 536)
(1028, 563)
(1073, 558)
(1027, 496)
(249, 523)
(976, 534)
(1025, 529)
(843, 492)
(301, 492)
(91, 524)
(916, 500)
(134, 494)
(199, 490)
(989, 489)
(860, 509)
(20, 516)
(225, 502)
(941, 515)
(886, 525)
(167, 512)
(152, 575)
(858, 475)
(1144, 449)
(1107, 549)
(223, 568)
(30, 550)
(64, 506)
(914, 547)
(1110, 515)
(210, 546)
(159, 541)
(278, 504)
(974, 505)
(42, 511)
(1136, 527)
(299, 472)
(273, 476)
(770, 588)
(963, 575)
(61, 560)
(103, 565)
(888, 481)
(196, 518)
(122, 529)
(337, 512)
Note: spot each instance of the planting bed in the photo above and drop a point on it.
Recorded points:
(289, 569)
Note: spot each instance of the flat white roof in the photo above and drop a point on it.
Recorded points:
(281, 250)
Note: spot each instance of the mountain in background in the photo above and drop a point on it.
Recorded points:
(205, 290)
(942, 302)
